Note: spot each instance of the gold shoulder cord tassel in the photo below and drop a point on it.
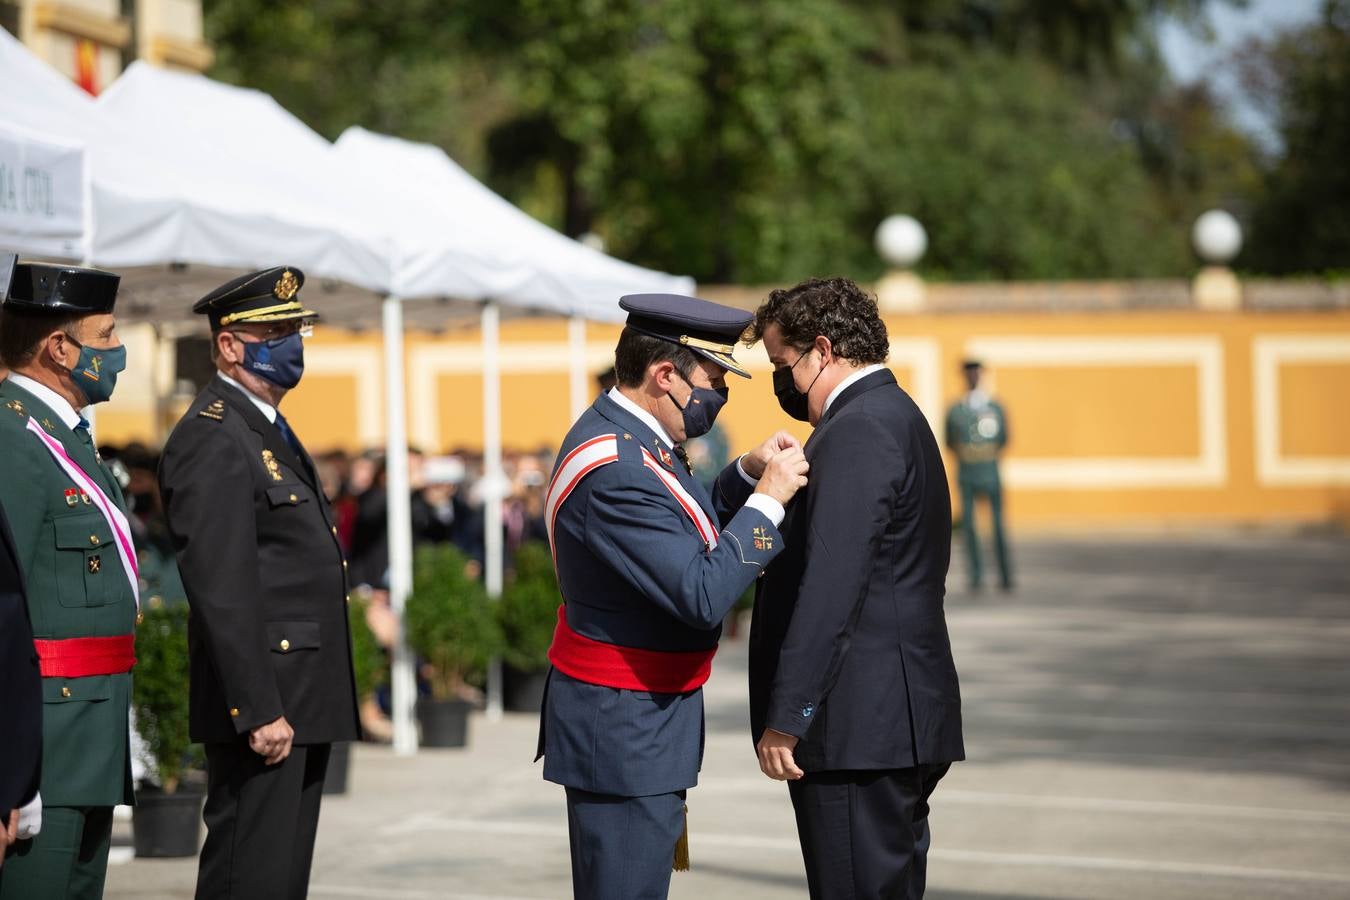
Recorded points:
(681, 863)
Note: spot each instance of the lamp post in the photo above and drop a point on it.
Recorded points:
(901, 241)
(1217, 238)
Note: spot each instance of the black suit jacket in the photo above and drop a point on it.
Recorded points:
(20, 685)
(848, 647)
(264, 574)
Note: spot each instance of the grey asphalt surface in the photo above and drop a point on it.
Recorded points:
(1145, 718)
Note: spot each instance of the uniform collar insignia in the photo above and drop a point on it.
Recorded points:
(665, 458)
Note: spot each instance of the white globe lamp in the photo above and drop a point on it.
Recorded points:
(1217, 237)
(901, 241)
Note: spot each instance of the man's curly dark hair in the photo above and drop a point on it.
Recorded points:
(834, 307)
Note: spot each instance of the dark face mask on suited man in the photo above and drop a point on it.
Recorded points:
(794, 402)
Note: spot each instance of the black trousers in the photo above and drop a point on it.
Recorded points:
(864, 834)
(260, 822)
(623, 847)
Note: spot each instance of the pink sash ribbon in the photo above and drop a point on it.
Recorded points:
(117, 521)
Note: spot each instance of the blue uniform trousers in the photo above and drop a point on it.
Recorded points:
(623, 847)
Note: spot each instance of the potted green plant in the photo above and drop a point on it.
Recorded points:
(369, 668)
(528, 613)
(167, 818)
(451, 626)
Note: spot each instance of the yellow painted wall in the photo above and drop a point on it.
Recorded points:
(1116, 418)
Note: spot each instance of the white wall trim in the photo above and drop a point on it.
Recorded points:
(1273, 468)
(923, 358)
(1208, 469)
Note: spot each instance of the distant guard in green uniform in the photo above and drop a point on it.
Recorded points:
(977, 432)
(68, 516)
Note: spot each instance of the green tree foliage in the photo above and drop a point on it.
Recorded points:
(159, 695)
(1302, 223)
(763, 141)
(370, 668)
(449, 619)
(528, 610)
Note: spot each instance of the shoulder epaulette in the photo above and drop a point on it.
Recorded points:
(215, 411)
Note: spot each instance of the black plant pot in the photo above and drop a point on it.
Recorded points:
(166, 825)
(445, 723)
(523, 691)
(339, 764)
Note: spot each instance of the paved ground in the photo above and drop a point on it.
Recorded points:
(1145, 719)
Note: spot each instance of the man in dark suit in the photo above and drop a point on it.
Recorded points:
(853, 692)
(20, 699)
(270, 655)
(648, 566)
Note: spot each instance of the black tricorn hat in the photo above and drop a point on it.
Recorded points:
(269, 295)
(36, 287)
(709, 329)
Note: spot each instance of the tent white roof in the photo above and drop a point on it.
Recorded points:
(455, 236)
(238, 180)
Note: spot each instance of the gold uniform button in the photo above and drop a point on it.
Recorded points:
(285, 645)
(65, 692)
(294, 498)
(140, 617)
(234, 712)
(93, 539)
(334, 530)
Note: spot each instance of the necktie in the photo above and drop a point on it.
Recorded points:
(289, 436)
(82, 432)
(684, 458)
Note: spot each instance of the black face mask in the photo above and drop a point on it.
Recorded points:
(794, 402)
(701, 409)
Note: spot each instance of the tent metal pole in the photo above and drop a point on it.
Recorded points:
(495, 484)
(576, 343)
(403, 684)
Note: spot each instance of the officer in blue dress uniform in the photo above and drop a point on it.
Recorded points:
(648, 565)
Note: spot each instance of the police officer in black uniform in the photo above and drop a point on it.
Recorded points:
(270, 658)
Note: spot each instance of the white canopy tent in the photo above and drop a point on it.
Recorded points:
(43, 194)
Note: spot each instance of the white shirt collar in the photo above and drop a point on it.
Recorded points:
(264, 407)
(643, 416)
(59, 405)
(839, 388)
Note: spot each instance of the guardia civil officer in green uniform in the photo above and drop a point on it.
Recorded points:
(977, 432)
(58, 337)
(257, 547)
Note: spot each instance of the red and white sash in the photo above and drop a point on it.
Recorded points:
(121, 529)
(602, 450)
(586, 458)
(706, 529)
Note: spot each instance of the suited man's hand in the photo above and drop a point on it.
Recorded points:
(775, 756)
(272, 741)
(755, 461)
(784, 476)
(9, 833)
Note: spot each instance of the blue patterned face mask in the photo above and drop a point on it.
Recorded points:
(280, 360)
(96, 371)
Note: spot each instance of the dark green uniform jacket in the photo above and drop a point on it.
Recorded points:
(76, 588)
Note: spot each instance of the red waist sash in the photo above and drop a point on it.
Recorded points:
(629, 668)
(81, 657)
